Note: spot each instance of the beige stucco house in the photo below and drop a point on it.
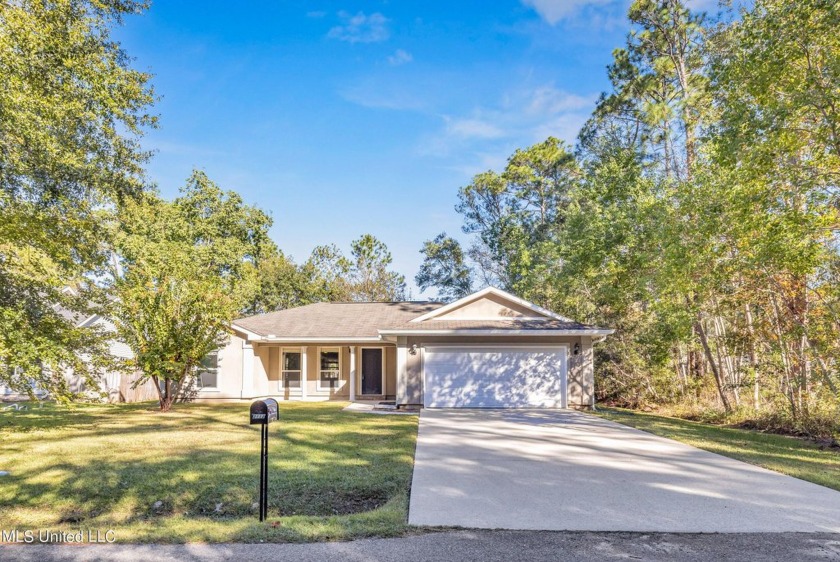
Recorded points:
(490, 349)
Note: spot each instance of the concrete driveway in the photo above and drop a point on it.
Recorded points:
(565, 470)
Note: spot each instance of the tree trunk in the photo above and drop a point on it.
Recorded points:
(715, 370)
(156, 380)
(752, 355)
(788, 386)
(166, 400)
(802, 369)
(695, 363)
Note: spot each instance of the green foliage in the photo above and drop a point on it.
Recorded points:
(775, 148)
(329, 276)
(189, 269)
(370, 279)
(330, 271)
(659, 89)
(282, 284)
(699, 217)
(71, 114)
(444, 266)
(516, 216)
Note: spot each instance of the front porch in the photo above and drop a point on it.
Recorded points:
(320, 370)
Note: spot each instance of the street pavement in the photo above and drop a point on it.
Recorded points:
(479, 546)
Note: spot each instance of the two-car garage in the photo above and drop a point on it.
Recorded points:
(495, 376)
(492, 349)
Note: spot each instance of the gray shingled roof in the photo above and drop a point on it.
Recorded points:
(365, 319)
(505, 324)
(335, 320)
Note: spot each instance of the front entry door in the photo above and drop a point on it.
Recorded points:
(372, 371)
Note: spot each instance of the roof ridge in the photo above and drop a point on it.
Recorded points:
(326, 303)
(380, 302)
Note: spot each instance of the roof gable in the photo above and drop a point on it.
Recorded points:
(490, 304)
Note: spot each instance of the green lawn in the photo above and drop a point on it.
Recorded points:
(788, 455)
(333, 474)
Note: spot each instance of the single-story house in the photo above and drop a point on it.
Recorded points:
(489, 349)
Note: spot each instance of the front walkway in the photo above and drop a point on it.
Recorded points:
(565, 470)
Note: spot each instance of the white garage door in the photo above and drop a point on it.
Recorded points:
(494, 377)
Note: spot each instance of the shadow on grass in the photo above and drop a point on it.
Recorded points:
(789, 455)
(132, 466)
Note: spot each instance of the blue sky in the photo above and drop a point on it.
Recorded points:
(341, 118)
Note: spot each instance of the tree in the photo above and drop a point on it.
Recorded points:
(517, 215)
(282, 284)
(658, 108)
(777, 144)
(330, 274)
(659, 87)
(71, 114)
(444, 267)
(285, 284)
(370, 278)
(189, 269)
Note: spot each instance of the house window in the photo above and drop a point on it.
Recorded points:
(208, 371)
(291, 369)
(329, 372)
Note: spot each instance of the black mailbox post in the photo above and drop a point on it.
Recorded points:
(263, 412)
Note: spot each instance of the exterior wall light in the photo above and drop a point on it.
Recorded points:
(576, 349)
(413, 349)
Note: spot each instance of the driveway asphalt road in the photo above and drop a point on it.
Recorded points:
(480, 546)
(565, 470)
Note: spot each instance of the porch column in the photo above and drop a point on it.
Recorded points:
(304, 372)
(402, 374)
(247, 370)
(352, 373)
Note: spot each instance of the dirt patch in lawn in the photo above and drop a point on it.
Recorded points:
(340, 503)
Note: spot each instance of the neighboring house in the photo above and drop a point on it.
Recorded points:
(117, 385)
(490, 349)
(114, 386)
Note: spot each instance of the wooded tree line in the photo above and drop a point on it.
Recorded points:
(697, 215)
(83, 231)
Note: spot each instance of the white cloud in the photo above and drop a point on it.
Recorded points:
(485, 137)
(421, 91)
(472, 128)
(377, 96)
(550, 100)
(361, 28)
(553, 11)
(527, 115)
(400, 57)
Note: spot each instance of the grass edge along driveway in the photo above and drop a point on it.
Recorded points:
(789, 455)
(191, 475)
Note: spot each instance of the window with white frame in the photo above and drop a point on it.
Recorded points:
(329, 371)
(290, 372)
(208, 371)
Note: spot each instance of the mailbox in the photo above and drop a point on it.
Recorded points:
(264, 411)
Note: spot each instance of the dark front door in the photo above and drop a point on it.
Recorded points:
(371, 371)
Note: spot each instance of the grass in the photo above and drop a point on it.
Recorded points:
(191, 475)
(789, 455)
